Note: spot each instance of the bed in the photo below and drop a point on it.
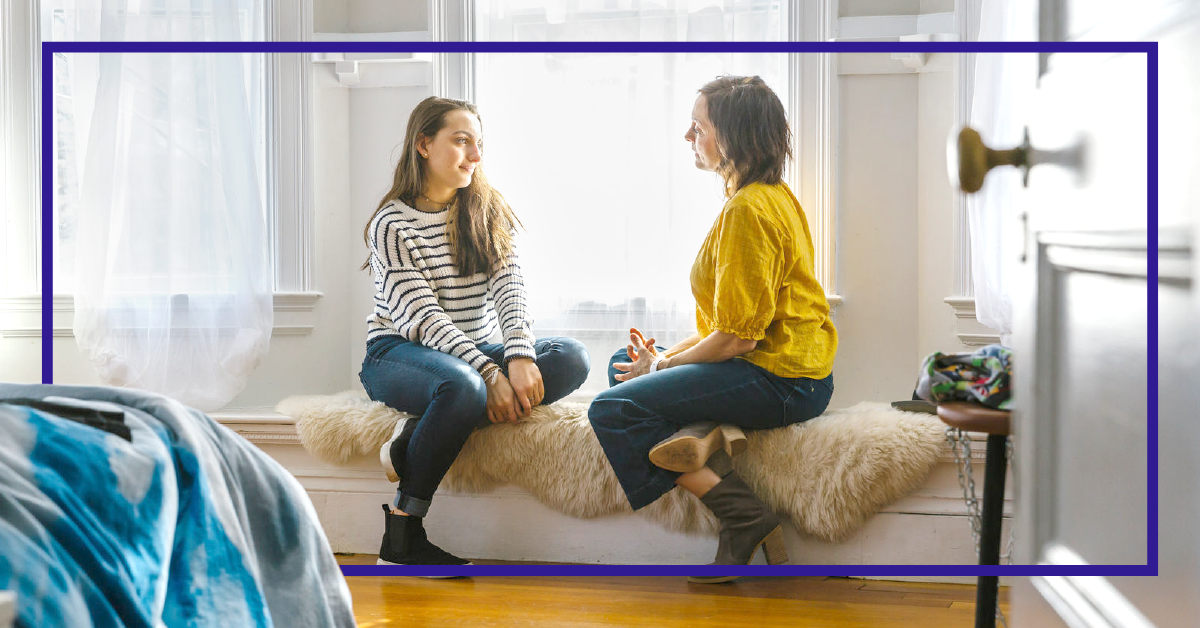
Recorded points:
(126, 508)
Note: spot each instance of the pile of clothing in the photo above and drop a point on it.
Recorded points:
(983, 377)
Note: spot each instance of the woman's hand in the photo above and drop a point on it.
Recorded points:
(641, 355)
(526, 381)
(501, 406)
(649, 344)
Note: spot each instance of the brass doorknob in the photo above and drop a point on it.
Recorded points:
(975, 159)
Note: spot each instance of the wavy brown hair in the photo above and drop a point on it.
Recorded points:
(481, 226)
(752, 133)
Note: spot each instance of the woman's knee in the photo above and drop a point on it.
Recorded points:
(605, 408)
(613, 407)
(575, 358)
(462, 393)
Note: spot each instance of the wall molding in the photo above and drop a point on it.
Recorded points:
(20, 316)
(894, 27)
(377, 69)
(967, 326)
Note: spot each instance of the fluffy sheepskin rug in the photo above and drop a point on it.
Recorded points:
(828, 474)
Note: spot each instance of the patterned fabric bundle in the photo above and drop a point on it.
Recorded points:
(984, 377)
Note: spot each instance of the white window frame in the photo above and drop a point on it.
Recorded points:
(969, 330)
(20, 155)
(289, 191)
(811, 102)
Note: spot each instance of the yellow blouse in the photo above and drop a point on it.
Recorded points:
(754, 278)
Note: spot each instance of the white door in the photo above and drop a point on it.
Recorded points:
(1082, 316)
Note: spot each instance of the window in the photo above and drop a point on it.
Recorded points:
(76, 77)
(589, 150)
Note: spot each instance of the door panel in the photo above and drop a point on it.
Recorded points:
(1098, 337)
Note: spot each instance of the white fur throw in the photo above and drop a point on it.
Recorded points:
(828, 474)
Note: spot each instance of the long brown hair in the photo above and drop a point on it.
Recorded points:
(481, 226)
(752, 131)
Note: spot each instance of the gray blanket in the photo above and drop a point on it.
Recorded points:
(125, 508)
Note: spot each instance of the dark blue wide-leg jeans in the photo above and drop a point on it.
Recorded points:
(632, 417)
(451, 400)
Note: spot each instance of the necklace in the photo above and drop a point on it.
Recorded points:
(440, 204)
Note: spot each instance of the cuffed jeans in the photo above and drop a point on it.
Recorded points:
(632, 417)
(450, 398)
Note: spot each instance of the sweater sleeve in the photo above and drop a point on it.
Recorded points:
(507, 287)
(411, 302)
(749, 271)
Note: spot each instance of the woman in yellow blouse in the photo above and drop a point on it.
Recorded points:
(763, 353)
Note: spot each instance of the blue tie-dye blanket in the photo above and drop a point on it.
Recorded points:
(183, 524)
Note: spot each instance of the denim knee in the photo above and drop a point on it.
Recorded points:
(605, 409)
(464, 394)
(576, 359)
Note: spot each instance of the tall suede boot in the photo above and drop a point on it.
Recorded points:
(405, 543)
(746, 525)
(689, 448)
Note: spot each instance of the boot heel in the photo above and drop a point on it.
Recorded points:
(385, 451)
(385, 459)
(688, 449)
(775, 548)
(735, 439)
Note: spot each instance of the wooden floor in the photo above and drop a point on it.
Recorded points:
(580, 601)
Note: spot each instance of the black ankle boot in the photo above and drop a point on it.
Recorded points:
(746, 525)
(404, 543)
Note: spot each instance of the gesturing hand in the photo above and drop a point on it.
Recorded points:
(641, 355)
(526, 381)
(649, 344)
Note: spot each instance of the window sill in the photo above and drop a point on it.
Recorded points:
(968, 328)
(20, 316)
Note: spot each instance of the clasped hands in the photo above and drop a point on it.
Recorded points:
(642, 354)
(512, 398)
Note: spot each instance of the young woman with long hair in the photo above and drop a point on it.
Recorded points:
(447, 281)
(763, 353)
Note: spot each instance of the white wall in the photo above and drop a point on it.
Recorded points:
(378, 117)
(936, 257)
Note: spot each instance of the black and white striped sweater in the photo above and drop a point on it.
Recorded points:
(419, 293)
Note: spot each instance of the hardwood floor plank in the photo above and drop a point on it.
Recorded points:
(662, 602)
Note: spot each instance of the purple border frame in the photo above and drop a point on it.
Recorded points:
(1150, 49)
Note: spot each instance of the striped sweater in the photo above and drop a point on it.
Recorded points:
(419, 293)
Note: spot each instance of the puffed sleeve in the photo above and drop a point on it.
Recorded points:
(749, 271)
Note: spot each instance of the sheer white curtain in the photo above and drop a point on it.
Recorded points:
(1001, 92)
(172, 285)
(589, 150)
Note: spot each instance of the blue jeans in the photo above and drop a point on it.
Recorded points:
(632, 417)
(451, 400)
